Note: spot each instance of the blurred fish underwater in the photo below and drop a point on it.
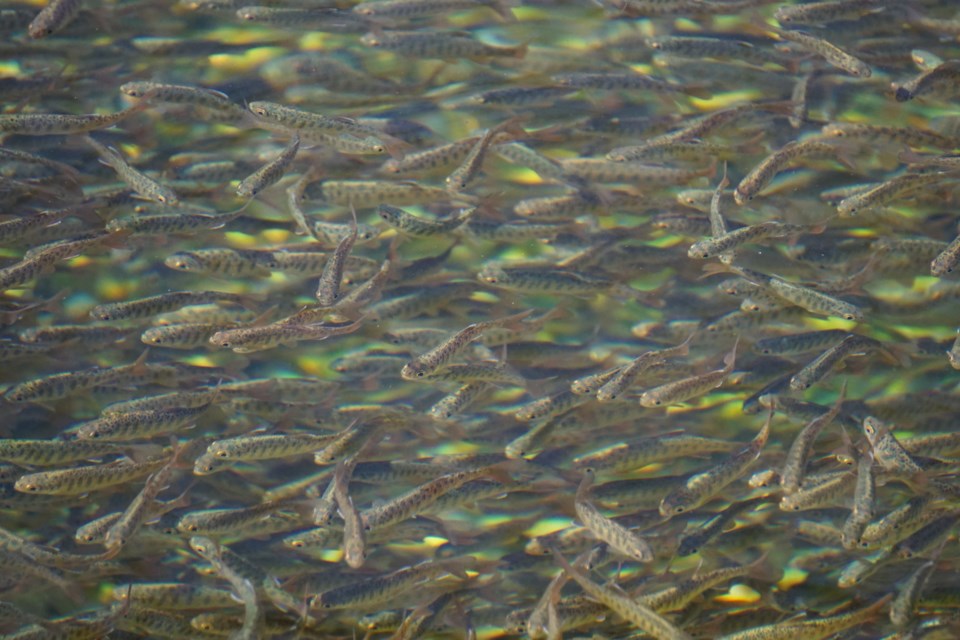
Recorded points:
(479, 319)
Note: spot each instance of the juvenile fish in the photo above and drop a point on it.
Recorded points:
(233, 522)
(461, 177)
(823, 12)
(864, 503)
(434, 159)
(184, 336)
(145, 186)
(370, 193)
(373, 592)
(627, 82)
(457, 402)
(271, 172)
(313, 127)
(417, 499)
(412, 9)
(252, 339)
(354, 543)
(687, 388)
(445, 351)
(832, 54)
(417, 226)
(56, 15)
(819, 367)
(50, 124)
(543, 280)
(695, 540)
(613, 533)
(702, 486)
(328, 289)
(140, 508)
(912, 136)
(266, 447)
(761, 175)
(632, 456)
(85, 479)
(947, 260)
(443, 46)
(51, 453)
(162, 303)
(629, 373)
(135, 425)
(887, 192)
(795, 464)
(943, 81)
(799, 343)
(801, 296)
(630, 609)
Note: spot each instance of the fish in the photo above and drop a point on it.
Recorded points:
(252, 339)
(635, 612)
(54, 16)
(136, 425)
(939, 81)
(354, 543)
(212, 99)
(379, 589)
(328, 288)
(628, 374)
(51, 124)
(701, 487)
(763, 173)
(417, 226)
(146, 187)
(83, 479)
(620, 539)
(822, 364)
(687, 388)
(441, 354)
(162, 303)
(417, 499)
(443, 46)
(794, 466)
(832, 54)
(460, 178)
(271, 172)
(316, 128)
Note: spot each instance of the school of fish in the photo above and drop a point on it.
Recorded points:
(596, 319)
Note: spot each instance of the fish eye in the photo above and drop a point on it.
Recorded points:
(678, 510)
(419, 374)
(221, 454)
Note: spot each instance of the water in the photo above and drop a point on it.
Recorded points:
(605, 275)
